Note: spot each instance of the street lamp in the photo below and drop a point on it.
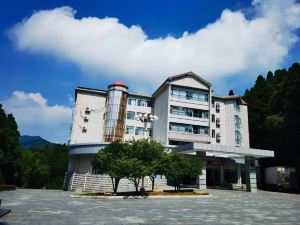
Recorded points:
(146, 119)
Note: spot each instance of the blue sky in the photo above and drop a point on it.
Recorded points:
(55, 49)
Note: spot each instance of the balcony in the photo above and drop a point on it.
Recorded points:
(189, 137)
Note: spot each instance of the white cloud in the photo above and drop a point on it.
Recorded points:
(231, 45)
(35, 117)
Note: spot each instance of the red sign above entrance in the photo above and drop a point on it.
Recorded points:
(216, 162)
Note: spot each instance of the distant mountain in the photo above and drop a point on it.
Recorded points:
(27, 141)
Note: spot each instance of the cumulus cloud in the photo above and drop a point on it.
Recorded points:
(36, 117)
(231, 45)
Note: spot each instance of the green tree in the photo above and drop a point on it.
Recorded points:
(9, 148)
(35, 171)
(57, 162)
(182, 166)
(112, 160)
(274, 109)
(44, 167)
(135, 170)
(152, 155)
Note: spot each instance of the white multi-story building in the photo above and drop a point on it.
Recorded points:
(191, 120)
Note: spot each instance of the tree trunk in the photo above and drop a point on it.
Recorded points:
(136, 184)
(115, 183)
(152, 178)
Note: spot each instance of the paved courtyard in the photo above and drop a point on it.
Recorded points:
(224, 207)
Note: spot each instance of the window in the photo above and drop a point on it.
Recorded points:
(238, 137)
(190, 95)
(237, 122)
(237, 105)
(213, 118)
(188, 128)
(172, 142)
(141, 102)
(183, 111)
(213, 133)
(139, 131)
(130, 115)
(131, 101)
(129, 129)
(213, 103)
(175, 93)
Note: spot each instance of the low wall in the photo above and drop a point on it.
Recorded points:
(102, 183)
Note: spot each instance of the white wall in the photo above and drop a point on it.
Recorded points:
(190, 82)
(95, 124)
(222, 116)
(161, 109)
(80, 164)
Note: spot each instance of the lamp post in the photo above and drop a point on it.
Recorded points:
(146, 119)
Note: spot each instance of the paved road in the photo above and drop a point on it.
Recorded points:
(43, 207)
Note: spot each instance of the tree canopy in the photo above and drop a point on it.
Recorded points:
(274, 122)
(9, 148)
(112, 161)
(181, 166)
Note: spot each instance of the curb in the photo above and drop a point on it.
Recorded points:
(149, 197)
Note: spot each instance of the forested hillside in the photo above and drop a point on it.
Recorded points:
(30, 168)
(27, 141)
(274, 116)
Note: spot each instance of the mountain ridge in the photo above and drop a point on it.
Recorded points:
(27, 141)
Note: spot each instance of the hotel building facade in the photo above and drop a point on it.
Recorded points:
(191, 120)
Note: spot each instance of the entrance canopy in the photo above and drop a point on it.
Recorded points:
(223, 151)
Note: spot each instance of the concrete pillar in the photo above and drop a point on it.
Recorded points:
(222, 181)
(250, 170)
(201, 180)
(239, 174)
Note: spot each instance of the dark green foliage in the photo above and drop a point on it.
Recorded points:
(44, 167)
(27, 141)
(134, 161)
(152, 155)
(181, 166)
(33, 168)
(274, 116)
(9, 148)
(112, 161)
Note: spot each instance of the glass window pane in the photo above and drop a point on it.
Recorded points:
(131, 101)
(130, 115)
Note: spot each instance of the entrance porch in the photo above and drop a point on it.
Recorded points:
(223, 164)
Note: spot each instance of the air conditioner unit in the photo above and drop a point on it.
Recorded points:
(218, 122)
(85, 119)
(218, 137)
(217, 107)
(87, 110)
(84, 130)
